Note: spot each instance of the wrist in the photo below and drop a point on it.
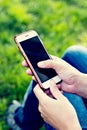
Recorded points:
(73, 122)
(81, 85)
(73, 126)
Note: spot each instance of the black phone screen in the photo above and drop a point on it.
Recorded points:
(35, 52)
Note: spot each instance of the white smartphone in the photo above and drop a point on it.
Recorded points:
(34, 51)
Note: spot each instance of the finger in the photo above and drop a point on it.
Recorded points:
(50, 64)
(60, 88)
(24, 63)
(34, 78)
(55, 91)
(57, 64)
(39, 93)
(29, 72)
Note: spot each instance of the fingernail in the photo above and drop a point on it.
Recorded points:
(41, 64)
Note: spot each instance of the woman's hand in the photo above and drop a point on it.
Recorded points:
(57, 112)
(73, 81)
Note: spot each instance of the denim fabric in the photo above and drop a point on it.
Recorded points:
(28, 117)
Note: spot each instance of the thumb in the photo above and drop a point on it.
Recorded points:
(48, 64)
(55, 91)
(39, 93)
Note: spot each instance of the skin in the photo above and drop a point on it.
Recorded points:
(58, 111)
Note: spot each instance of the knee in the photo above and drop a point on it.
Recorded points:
(73, 51)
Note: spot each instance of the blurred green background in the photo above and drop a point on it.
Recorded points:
(60, 24)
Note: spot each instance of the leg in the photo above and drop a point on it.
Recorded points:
(27, 116)
(77, 57)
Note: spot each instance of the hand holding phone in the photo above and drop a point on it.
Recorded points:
(32, 49)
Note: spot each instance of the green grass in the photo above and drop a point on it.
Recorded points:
(60, 24)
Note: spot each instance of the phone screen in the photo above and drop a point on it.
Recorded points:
(35, 52)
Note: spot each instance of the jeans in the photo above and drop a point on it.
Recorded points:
(27, 115)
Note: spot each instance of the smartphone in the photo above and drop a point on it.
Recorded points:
(33, 50)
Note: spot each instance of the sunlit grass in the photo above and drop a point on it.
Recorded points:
(60, 24)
